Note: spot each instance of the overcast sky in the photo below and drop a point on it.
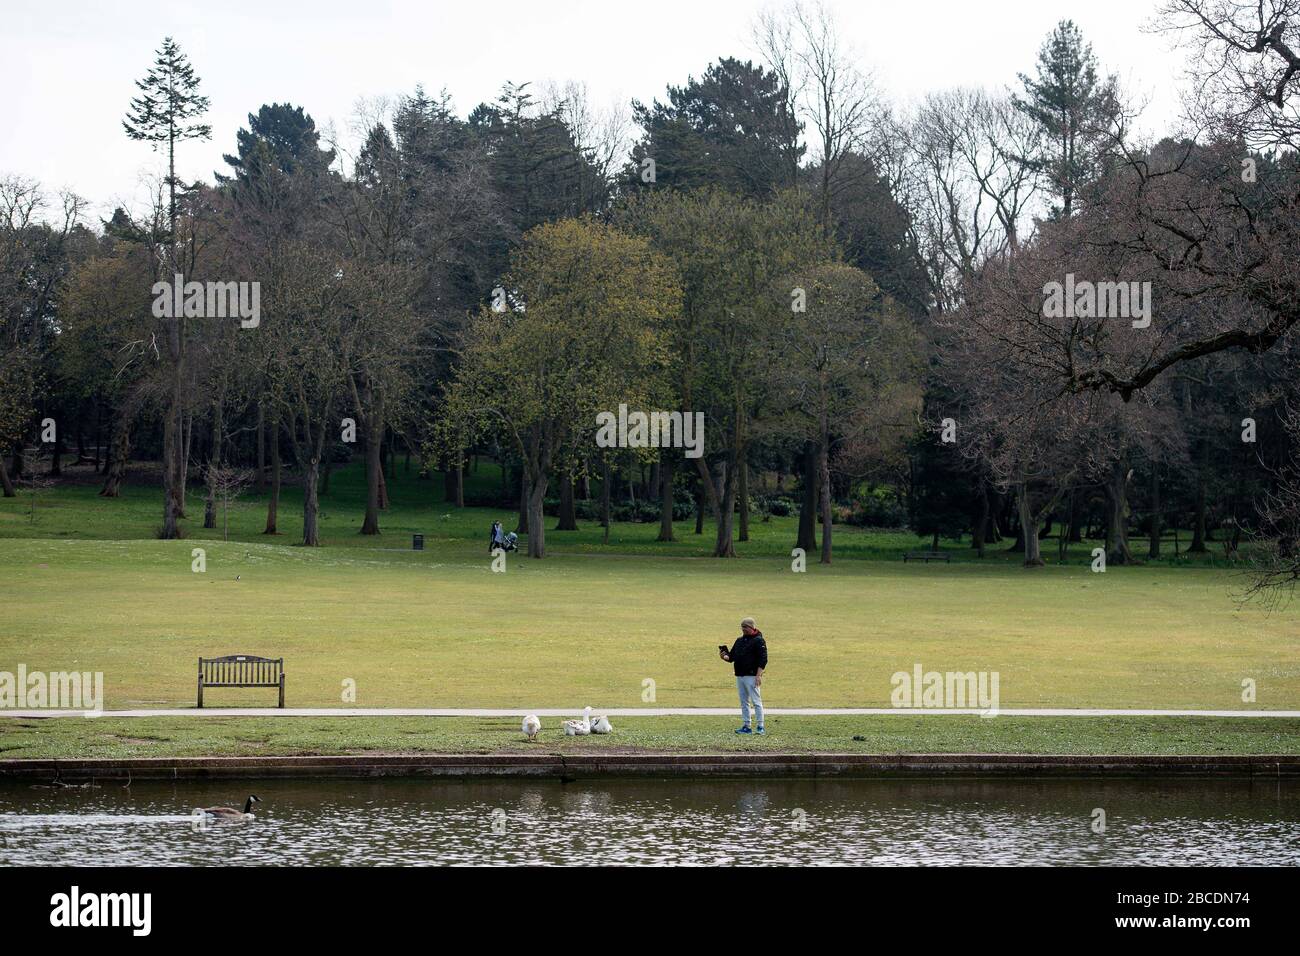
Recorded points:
(68, 66)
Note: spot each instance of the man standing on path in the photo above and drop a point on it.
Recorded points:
(748, 657)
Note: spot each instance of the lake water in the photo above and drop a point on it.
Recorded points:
(412, 821)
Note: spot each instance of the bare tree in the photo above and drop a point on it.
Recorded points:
(1214, 224)
(838, 101)
(35, 485)
(304, 361)
(1276, 556)
(602, 134)
(1244, 64)
(1003, 351)
(32, 246)
(962, 175)
(846, 368)
(227, 484)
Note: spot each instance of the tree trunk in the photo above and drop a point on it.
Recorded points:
(119, 453)
(173, 433)
(568, 518)
(273, 501)
(99, 422)
(183, 485)
(1029, 530)
(374, 475)
(310, 452)
(451, 484)
(1063, 536)
(170, 445)
(1157, 526)
(708, 488)
(5, 482)
(724, 544)
(604, 495)
(1117, 549)
(56, 454)
(1198, 521)
(699, 507)
(1019, 543)
(808, 508)
(214, 462)
(827, 514)
(665, 496)
(981, 522)
(523, 502)
(260, 481)
(998, 505)
(310, 504)
(536, 520)
(744, 500)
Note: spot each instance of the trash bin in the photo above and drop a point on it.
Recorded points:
(417, 542)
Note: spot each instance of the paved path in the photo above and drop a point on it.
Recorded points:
(637, 712)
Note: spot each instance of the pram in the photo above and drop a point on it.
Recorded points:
(504, 541)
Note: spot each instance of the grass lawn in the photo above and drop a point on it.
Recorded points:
(73, 511)
(252, 736)
(86, 587)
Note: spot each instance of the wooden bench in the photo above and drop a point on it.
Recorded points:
(241, 670)
(926, 556)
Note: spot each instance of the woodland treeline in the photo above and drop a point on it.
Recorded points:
(850, 289)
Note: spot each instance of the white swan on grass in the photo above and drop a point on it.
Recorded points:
(579, 728)
(532, 726)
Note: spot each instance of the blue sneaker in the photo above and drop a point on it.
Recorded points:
(744, 730)
(760, 730)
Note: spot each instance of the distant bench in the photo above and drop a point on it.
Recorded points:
(926, 556)
(241, 670)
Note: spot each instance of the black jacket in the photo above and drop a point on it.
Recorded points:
(748, 654)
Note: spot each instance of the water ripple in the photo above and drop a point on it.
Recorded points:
(416, 822)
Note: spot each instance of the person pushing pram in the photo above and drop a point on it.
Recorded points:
(502, 540)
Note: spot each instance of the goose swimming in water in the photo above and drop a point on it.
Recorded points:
(230, 813)
(532, 726)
